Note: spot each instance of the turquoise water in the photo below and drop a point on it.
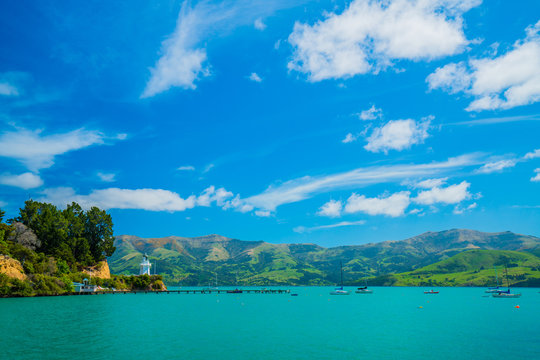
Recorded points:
(458, 323)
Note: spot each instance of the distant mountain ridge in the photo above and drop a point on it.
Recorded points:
(193, 261)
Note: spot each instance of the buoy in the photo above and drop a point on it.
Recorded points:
(517, 306)
(420, 307)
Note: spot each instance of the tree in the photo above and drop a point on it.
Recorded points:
(98, 231)
(47, 223)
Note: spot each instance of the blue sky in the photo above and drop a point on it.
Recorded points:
(327, 122)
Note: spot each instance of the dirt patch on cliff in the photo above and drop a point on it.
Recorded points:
(11, 268)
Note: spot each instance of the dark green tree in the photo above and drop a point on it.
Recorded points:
(48, 224)
(98, 231)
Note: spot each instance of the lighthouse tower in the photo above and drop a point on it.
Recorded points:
(145, 265)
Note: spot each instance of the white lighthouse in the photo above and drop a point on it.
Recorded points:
(145, 265)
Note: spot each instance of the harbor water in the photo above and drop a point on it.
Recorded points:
(391, 323)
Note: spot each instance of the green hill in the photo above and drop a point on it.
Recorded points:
(196, 261)
(471, 268)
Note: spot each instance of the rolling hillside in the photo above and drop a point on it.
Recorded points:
(193, 261)
(471, 268)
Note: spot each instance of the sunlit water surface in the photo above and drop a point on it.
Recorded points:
(391, 323)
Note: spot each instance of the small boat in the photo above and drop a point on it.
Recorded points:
(494, 289)
(364, 290)
(340, 290)
(294, 294)
(431, 292)
(235, 291)
(506, 293)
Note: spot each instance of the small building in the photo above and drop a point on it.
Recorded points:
(84, 286)
(145, 266)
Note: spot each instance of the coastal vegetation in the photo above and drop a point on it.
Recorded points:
(45, 249)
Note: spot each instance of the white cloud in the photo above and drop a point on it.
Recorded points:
(3, 204)
(181, 63)
(371, 114)
(393, 205)
(27, 180)
(349, 138)
(398, 135)
(537, 176)
(106, 177)
(142, 199)
(186, 168)
(259, 25)
(497, 166)
(532, 155)
(183, 60)
(306, 187)
(503, 82)
(115, 198)
(7, 89)
(368, 36)
(211, 195)
(431, 183)
(330, 209)
(452, 194)
(263, 213)
(303, 229)
(459, 210)
(255, 77)
(37, 151)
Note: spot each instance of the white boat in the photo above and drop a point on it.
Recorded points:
(506, 293)
(340, 290)
(364, 289)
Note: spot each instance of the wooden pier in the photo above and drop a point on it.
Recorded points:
(187, 291)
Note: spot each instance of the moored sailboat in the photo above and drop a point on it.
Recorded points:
(506, 293)
(340, 290)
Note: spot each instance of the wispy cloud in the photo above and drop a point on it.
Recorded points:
(369, 36)
(372, 113)
(306, 187)
(501, 82)
(259, 24)
(106, 177)
(349, 138)
(537, 176)
(496, 120)
(183, 59)
(24, 181)
(303, 229)
(255, 77)
(532, 155)
(37, 151)
(497, 166)
(186, 168)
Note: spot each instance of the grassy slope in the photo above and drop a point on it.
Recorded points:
(192, 261)
(471, 268)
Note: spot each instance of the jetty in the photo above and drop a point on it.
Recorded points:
(184, 291)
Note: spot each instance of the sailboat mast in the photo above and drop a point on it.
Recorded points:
(506, 270)
(496, 276)
(341, 265)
